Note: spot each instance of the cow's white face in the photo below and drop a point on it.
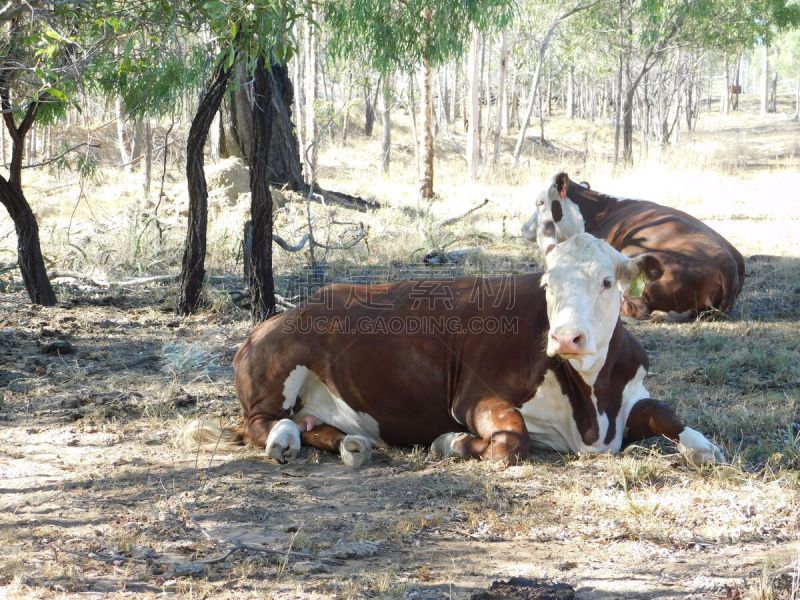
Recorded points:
(556, 219)
(584, 280)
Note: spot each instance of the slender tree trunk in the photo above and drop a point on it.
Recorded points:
(502, 106)
(412, 109)
(426, 180)
(29, 250)
(298, 93)
(262, 286)
(123, 150)
(148, 156)
(796, 96)
(773, 101)
(735, 103)
(764, 79)
(534, 88)
(387, 124)
(474, 118)
(369, 109)
(726, 93)
(618, 110)
(311, 128)
(194, 255)
(571, 92)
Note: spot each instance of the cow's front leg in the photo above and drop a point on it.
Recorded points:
(355, 450)
(653, 417)
(502, 435)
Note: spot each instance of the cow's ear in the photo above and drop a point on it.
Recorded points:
(562, 184)
(644, 267)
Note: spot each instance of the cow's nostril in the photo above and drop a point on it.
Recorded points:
(577, 340)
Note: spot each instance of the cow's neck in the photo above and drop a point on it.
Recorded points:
(579, 382)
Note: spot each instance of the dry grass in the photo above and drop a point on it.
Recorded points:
(97, 498)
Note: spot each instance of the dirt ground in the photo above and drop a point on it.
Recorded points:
(97, 497)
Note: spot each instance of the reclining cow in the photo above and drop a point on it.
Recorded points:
(702, 270)
(479, 368)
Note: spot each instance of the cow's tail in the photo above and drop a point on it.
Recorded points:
(206, 434)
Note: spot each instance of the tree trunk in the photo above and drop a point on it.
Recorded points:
(285, 165)
(735, 103)
(571, 92)
(474, 118)
(262, 286)
(502, 107)
(412, 109)
(369, 110)
(387, 124)
(618, 110)
(426, 180)
(773, 101)
(193, 266)
(29, 250)
(534, 88)
(311, 131)
(797, 96)
(148, 156)
(627, 126)
(121, 144)
(726, 93)
(764, 79)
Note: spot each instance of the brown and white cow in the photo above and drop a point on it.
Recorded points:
(480, 368)
(702, 270)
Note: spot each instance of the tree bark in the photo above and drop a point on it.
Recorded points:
(387, 124)
(285, 166)
(29, 250)
(474, 118)
(426, 179)
(262, 286)
(193, 266)
(773, 100)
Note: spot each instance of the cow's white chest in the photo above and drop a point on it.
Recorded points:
(320, 402)
(550, 422)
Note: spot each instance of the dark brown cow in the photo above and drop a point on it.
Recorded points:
(702, 270)
(475, 367)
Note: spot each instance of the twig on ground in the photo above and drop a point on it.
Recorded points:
(452, 220)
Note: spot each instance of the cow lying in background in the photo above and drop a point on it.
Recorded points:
(702, 271)
(540, 359)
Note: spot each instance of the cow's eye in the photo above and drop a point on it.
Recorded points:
(540, 203)
(607, 283)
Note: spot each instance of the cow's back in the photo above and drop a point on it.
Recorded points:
(701, 268)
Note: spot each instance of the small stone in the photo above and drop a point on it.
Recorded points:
(310, 567)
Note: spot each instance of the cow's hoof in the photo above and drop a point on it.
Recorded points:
(442, 446)
(355, 450)
(697, 449)
(283, 442)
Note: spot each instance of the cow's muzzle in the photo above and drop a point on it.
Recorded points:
(567, 342)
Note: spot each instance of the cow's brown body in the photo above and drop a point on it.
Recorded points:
(702, 270)
(418, 386)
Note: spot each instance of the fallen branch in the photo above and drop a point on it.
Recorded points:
(452, 220)
(338, 198)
